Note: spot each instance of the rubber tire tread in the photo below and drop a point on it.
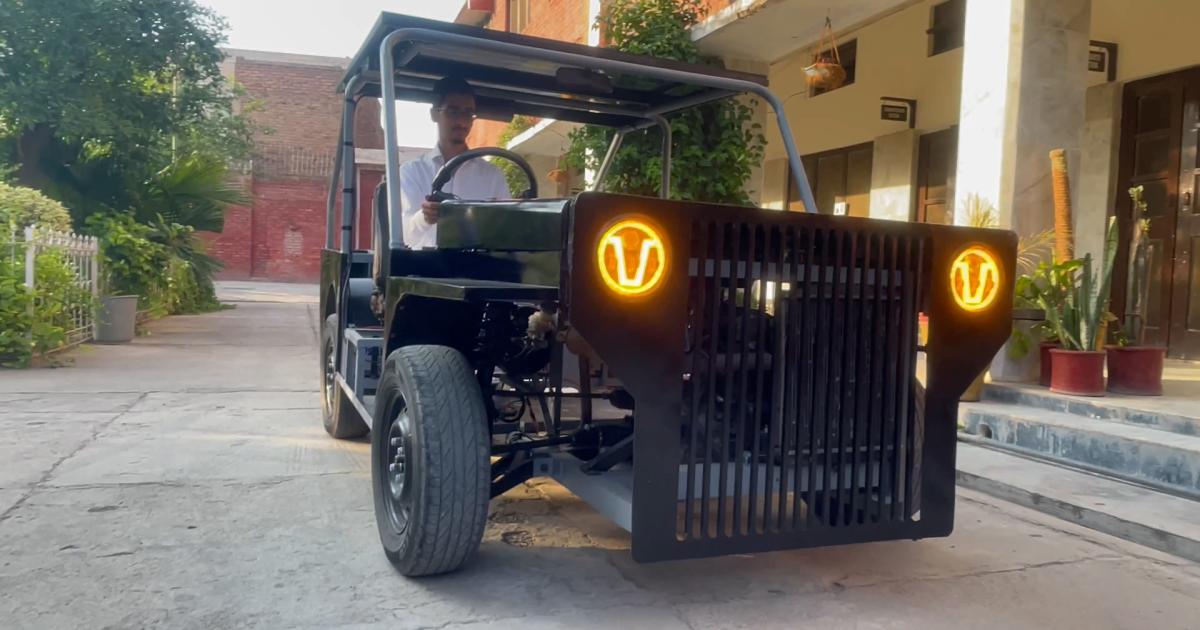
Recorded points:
(451, 444)
(339, 417)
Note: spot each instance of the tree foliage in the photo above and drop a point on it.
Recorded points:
(715, 147)
(513, 175)
(21, 207)
(118, 109)
(98, 96)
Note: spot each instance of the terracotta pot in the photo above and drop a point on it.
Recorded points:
(1076, 372)
(1044, 349)
(1136, 370)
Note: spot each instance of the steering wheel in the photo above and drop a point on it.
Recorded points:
(447, 171)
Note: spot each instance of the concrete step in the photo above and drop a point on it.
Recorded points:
(1168, 461)
(1161, 521)
(1173, 414)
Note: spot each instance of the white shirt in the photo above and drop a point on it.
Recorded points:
(476, 180)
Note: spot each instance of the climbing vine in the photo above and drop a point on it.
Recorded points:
(715, 147)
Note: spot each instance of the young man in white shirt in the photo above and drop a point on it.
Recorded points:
(454, 112)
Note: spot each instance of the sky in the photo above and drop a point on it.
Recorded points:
(334, 28)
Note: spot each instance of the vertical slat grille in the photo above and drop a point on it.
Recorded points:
(800, 404)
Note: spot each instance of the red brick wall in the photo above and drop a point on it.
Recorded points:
(232, 246)
(564, 20)
(280, 233)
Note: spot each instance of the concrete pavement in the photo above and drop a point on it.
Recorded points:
(184, 481)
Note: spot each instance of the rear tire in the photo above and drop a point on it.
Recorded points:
(430, 472)
(337, 414)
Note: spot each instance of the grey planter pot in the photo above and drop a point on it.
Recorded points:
(1006, 369)
(116, 319)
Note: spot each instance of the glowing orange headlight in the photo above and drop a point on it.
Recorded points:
(632, 257)
(975, 279)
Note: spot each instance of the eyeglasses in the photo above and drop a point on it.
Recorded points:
(454, 112)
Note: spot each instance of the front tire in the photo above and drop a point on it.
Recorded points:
(430, 469)
(339, 417)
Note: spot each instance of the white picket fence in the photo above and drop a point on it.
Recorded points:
(82, 253)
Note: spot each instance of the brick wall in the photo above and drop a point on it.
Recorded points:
(564, 20)
(279, 234)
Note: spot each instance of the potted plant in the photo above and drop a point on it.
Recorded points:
(1046, 289)
(128, 258)
(826, 71)
(1078, 366)
(1135, 368)
(1019, 364)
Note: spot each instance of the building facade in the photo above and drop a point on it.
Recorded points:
(955, 100)
(279, 233)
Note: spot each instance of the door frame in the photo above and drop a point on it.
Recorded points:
(918, 210)
(1123, 207)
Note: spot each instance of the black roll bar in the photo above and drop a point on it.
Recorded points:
(387, 64)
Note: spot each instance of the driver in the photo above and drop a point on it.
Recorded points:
(454, 112)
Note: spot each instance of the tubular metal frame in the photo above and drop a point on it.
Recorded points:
(387, 64)
(344, 174)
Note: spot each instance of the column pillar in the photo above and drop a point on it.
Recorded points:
(893, 175)
(1023, 93)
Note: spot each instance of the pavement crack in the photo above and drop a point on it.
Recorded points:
(207, 483)
(41, 482)
(678, 612)
(842, 585)
(313, 325)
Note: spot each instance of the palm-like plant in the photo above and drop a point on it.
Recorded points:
(980, 213)
(193, 191)
(1077, 321)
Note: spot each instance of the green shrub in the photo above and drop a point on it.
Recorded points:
(21, 207)
(35, 323)
(130, 263)
(513, 175)
(164, 265)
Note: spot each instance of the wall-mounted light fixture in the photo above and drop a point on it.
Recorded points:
(899, 110)
(1102, 57)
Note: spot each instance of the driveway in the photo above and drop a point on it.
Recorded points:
(184, 481)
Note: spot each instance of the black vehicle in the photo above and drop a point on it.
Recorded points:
(715, 379)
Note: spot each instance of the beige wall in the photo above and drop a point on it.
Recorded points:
(892, 61)
(1153, 36)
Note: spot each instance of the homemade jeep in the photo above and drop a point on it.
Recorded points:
(715, 379)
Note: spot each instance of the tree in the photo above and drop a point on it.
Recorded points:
(118, 109)
(96, 96)
(715, 147)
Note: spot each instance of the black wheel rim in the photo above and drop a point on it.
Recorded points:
(330, 373)
(396, 466)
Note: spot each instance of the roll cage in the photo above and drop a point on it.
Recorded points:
(516, 74)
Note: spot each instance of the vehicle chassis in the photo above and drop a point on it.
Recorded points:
(765, 396)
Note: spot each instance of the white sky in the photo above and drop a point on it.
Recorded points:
(334, 28)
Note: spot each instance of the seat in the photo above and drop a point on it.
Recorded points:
(381, 259)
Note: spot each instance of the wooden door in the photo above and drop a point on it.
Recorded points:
(840, 180)
(937, 162)
(1159, 156)
(1185, 282)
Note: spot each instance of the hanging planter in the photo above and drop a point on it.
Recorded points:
(826, 71)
